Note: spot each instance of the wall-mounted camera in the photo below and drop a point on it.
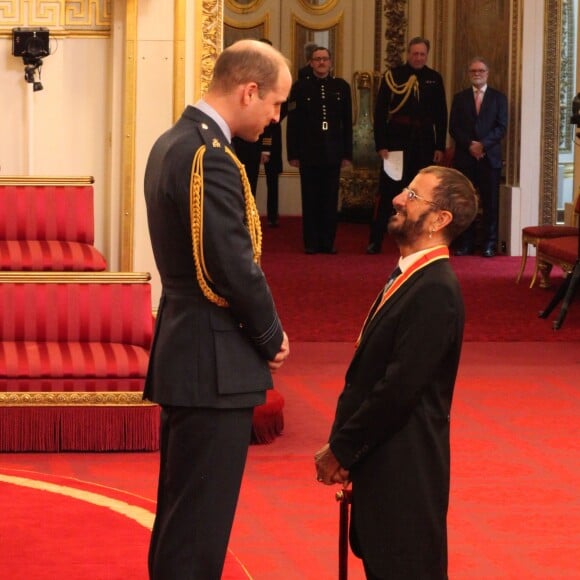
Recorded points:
(32, 44)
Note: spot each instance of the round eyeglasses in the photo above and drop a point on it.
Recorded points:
(412, 196)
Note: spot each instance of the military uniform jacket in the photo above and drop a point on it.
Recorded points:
(424, 115)
(202, 354)
(391, 427)
(319, 126)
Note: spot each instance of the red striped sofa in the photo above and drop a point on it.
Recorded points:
(74, 350)
(47, 224)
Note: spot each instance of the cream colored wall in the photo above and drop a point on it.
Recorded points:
(154, 114)
(65, 128)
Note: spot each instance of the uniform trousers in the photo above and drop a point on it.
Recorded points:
(202, 458)
(319, 190)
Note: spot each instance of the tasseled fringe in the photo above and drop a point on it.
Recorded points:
(76, 428)
(268, 420)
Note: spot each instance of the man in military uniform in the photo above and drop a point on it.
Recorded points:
(319, 143)
(410, 116)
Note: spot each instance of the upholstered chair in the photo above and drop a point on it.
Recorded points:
(531, 235)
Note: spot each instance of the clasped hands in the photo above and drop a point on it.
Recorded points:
(328, 469)
(476, 150)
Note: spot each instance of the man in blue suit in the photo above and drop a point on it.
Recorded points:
(478, 123)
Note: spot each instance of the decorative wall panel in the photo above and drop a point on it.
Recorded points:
(66, 16)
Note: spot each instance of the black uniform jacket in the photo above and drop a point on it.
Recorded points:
(319, 126)
(392, 426)
(489, 127)
(423, 115)
(203, 354)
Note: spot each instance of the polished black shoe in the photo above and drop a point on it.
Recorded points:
(331, 251)
(273, 223)
(373, 248)
(310, 251)
(488, 253)
(463, 251)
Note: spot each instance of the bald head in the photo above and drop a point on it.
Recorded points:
(248, 61)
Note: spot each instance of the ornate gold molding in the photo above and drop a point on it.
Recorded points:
(513, 145)
(395, 31)
(318, 8)
(30, 277)
(551, 110)
(67, 17)
(243, 7)
(101, 398)
(39, 180)
(209, 41)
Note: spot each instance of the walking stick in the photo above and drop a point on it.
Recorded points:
(344, 497)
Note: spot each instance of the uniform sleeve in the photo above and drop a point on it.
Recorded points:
(293, 124)
(229, 257)
(381, 116)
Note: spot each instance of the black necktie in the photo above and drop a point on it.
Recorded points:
(391, 279)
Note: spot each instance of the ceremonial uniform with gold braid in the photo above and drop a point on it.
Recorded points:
(410, 116)
(216, 329)
(391, 427)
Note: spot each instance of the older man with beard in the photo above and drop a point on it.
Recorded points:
(390, 436)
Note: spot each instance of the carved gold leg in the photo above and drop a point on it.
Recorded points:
(544, 269)
(524, 258)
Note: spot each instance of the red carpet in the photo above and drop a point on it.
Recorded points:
(324, 298)
(514, 508)
(57, 527)
(514, 498)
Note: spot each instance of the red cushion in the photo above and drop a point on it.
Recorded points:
(50, 255)
(45, 212)
(76, 312)
(550, 231)
(72, 359)
(563, 249)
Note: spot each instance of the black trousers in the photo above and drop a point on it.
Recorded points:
(319, 190)
(486, 179)
(202, 459)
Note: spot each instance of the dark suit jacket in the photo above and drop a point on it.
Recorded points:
(489, 127)
(392, 426)
(204, 355)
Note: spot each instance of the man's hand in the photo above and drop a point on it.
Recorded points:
(476, 150)
(282, 354)
(328, 469)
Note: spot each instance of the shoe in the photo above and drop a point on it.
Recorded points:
(488, 253)
(310, 251)
(273, 223)
(331, 251)
(373, 248)
(463, 251)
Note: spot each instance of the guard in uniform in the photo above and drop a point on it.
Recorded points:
(319, 143)
(410, 116)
